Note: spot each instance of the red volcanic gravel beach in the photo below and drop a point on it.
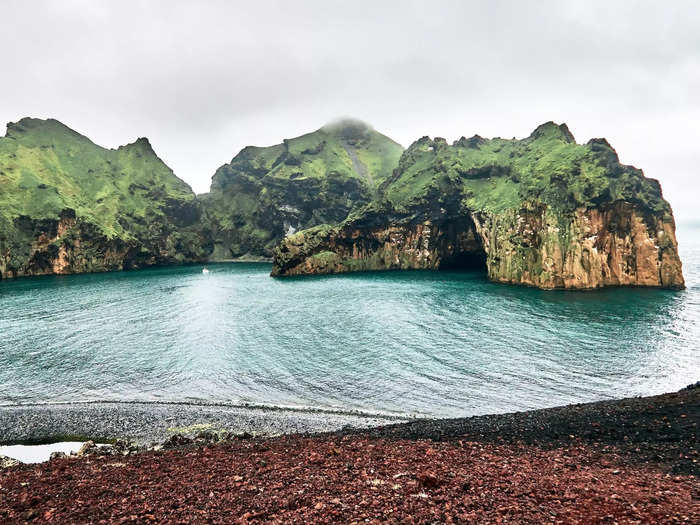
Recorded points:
(357, 477)
(309, 480)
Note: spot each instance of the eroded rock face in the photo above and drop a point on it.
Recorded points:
(421, 246)
(69, 245)
(582, 221)
(617, 245)
(68, 205)
(266, 193)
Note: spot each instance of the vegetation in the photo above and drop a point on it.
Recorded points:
(58, 186)
(544, 210)
(267, 193)
(68, 205)
(499, 174)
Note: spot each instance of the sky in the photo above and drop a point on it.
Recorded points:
(202, 80)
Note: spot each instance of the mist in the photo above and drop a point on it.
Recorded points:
(203, 80)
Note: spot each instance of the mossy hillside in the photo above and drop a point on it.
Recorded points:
(499, 174)
(127, 195)
(501, 178)
(319, 177)
(534, 202)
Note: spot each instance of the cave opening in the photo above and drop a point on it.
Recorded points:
(462, 248)
(470, 261)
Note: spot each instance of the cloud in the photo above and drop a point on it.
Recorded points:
(204, 79)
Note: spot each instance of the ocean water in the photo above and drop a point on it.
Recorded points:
(418, 343)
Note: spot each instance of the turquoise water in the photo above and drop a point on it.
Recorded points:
(425, 343)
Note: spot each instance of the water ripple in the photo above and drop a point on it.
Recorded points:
(426, 343)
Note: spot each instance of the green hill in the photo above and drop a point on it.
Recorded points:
(265, 193)
(68, 205)
(497, 174)
(542, 211)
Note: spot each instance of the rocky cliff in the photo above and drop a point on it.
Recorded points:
(70, 206)
(541, 211)
(265, 193)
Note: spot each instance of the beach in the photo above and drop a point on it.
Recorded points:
(626, 461)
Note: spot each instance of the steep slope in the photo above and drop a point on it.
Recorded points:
(541, 211)
(268, 192)
(69, 206)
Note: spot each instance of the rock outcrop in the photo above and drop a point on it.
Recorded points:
(266, 193)
(542, 211)
(70, 206)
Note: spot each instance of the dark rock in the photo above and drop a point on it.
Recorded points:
(206, 437)
(428, 479)
(177, 441)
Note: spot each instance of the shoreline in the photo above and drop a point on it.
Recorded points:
(14, 278)
(632, 460)
(222, 404)
(146, 423)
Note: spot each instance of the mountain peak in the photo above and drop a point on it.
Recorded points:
(348, 128)
(41, 130)
(29, 124)
(553, 130)
(141, 142)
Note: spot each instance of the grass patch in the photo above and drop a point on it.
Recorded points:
(197, 427)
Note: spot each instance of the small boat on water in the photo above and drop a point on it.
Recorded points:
(205, 270)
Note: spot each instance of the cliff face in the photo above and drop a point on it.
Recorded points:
(424, 246)
(266, 193)
(70, 206)
(542, 211)
(619, 244)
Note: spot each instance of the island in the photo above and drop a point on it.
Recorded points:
(542, 211)
(68, 205)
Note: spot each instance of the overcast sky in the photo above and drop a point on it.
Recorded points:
(203, 79)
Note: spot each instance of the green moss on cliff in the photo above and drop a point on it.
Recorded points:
(497, 174)
(266, 193)
(128, 197)
(545, 211)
